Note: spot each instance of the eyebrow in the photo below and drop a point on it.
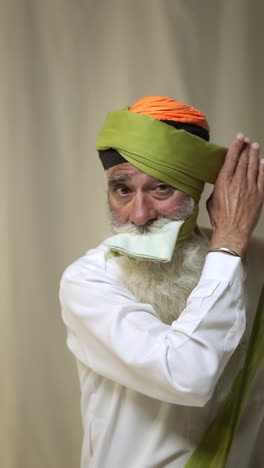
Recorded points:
(118, 178)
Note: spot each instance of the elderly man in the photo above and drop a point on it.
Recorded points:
(156, 314)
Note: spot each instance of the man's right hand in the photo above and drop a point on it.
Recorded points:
(236, 202)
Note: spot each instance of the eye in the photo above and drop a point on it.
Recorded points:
(163, 188)
(122, 190)
(162, 191)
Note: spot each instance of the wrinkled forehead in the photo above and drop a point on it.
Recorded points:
(126, 172)
(122, 168)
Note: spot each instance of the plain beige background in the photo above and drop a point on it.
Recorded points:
(64, 64)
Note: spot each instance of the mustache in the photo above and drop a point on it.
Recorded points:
(150, 226)
(128, 227)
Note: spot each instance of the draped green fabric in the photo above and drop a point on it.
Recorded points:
(213, 450)
(176, 157)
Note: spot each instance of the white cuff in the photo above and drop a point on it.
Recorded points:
(223, 267)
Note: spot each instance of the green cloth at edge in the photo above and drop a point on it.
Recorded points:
(213, 450)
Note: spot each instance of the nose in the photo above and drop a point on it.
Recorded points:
(142, 209)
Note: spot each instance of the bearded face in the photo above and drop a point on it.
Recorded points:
(166, 286)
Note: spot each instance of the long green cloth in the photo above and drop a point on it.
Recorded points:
(213, 450)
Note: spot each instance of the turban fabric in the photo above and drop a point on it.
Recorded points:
(164, 108)
(176, 156)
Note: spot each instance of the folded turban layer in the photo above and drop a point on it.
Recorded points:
(177, 154)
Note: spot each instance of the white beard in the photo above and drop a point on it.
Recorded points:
(165, 286)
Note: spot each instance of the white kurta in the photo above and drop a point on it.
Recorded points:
(149, 390)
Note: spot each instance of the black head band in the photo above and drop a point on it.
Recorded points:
(110, 158)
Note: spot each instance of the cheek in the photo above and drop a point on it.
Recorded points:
(166, 208)
(172, 206)
(117, 208)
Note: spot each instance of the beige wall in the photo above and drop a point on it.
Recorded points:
(64, 64)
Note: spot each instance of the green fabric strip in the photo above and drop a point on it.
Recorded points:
(213, 450)
(188, 226)
(176, 157)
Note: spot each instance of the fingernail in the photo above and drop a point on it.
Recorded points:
(255, 145)
(240, 136)
(247, 140)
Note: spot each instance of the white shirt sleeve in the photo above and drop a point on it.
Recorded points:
(124, 341)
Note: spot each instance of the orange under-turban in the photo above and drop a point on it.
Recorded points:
(164, 108)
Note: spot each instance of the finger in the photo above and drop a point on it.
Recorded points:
(261, 176)
(253, 164)
(232, 155)
(242, 165)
